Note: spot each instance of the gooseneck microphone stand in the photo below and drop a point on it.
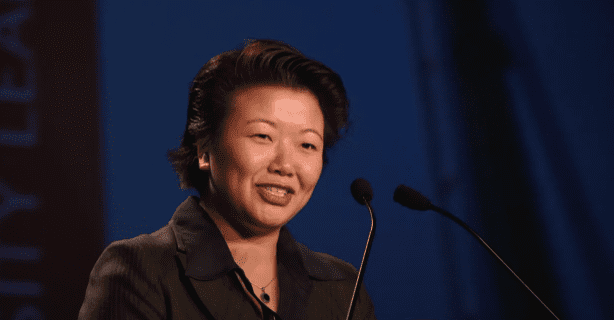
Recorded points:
(412, 199)
(361, 190)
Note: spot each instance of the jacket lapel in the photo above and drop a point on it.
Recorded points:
(213, 274)
(223, 299)
(208, 264)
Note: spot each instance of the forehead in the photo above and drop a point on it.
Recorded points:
(277, 103)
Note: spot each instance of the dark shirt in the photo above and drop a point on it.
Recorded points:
(186, 271)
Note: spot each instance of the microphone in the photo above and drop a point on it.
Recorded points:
(413, 199)
(361, 191)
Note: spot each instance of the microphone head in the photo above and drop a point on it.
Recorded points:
(411, 198)
(361, 191)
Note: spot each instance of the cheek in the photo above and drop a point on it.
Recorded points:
(248, 159)
(312, 169)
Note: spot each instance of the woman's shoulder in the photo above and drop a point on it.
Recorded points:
(127, 273)
(160, 240)
(141, 251)
(324, 266)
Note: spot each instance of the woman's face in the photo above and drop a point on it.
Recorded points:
(268, 158)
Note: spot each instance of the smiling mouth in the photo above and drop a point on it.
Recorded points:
(280, 192)
(275, 195)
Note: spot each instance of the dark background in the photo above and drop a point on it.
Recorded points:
(496, 110)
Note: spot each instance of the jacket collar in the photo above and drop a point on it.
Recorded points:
(207, 260)
(208, 256)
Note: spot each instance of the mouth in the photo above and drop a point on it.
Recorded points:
(276, 189)
(275, 194)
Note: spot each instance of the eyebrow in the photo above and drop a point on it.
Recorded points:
(274, 125)
(311, 130)
(262, 120)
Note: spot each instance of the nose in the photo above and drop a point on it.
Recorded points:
(282, 161)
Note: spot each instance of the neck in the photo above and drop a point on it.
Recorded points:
(254, 252)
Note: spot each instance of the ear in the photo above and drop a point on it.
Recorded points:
(203, 156)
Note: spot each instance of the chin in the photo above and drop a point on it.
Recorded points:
(274, 222)
(274, 219)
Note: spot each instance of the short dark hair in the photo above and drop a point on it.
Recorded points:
(259, 62)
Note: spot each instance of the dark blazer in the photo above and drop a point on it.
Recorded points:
(185, 271)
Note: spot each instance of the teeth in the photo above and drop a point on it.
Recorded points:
(277, 191)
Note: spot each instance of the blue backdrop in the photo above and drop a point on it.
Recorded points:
(412, 71)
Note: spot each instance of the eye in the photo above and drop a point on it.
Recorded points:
(262, 136)
(309, 146)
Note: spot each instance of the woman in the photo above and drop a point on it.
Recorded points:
(259, 122)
